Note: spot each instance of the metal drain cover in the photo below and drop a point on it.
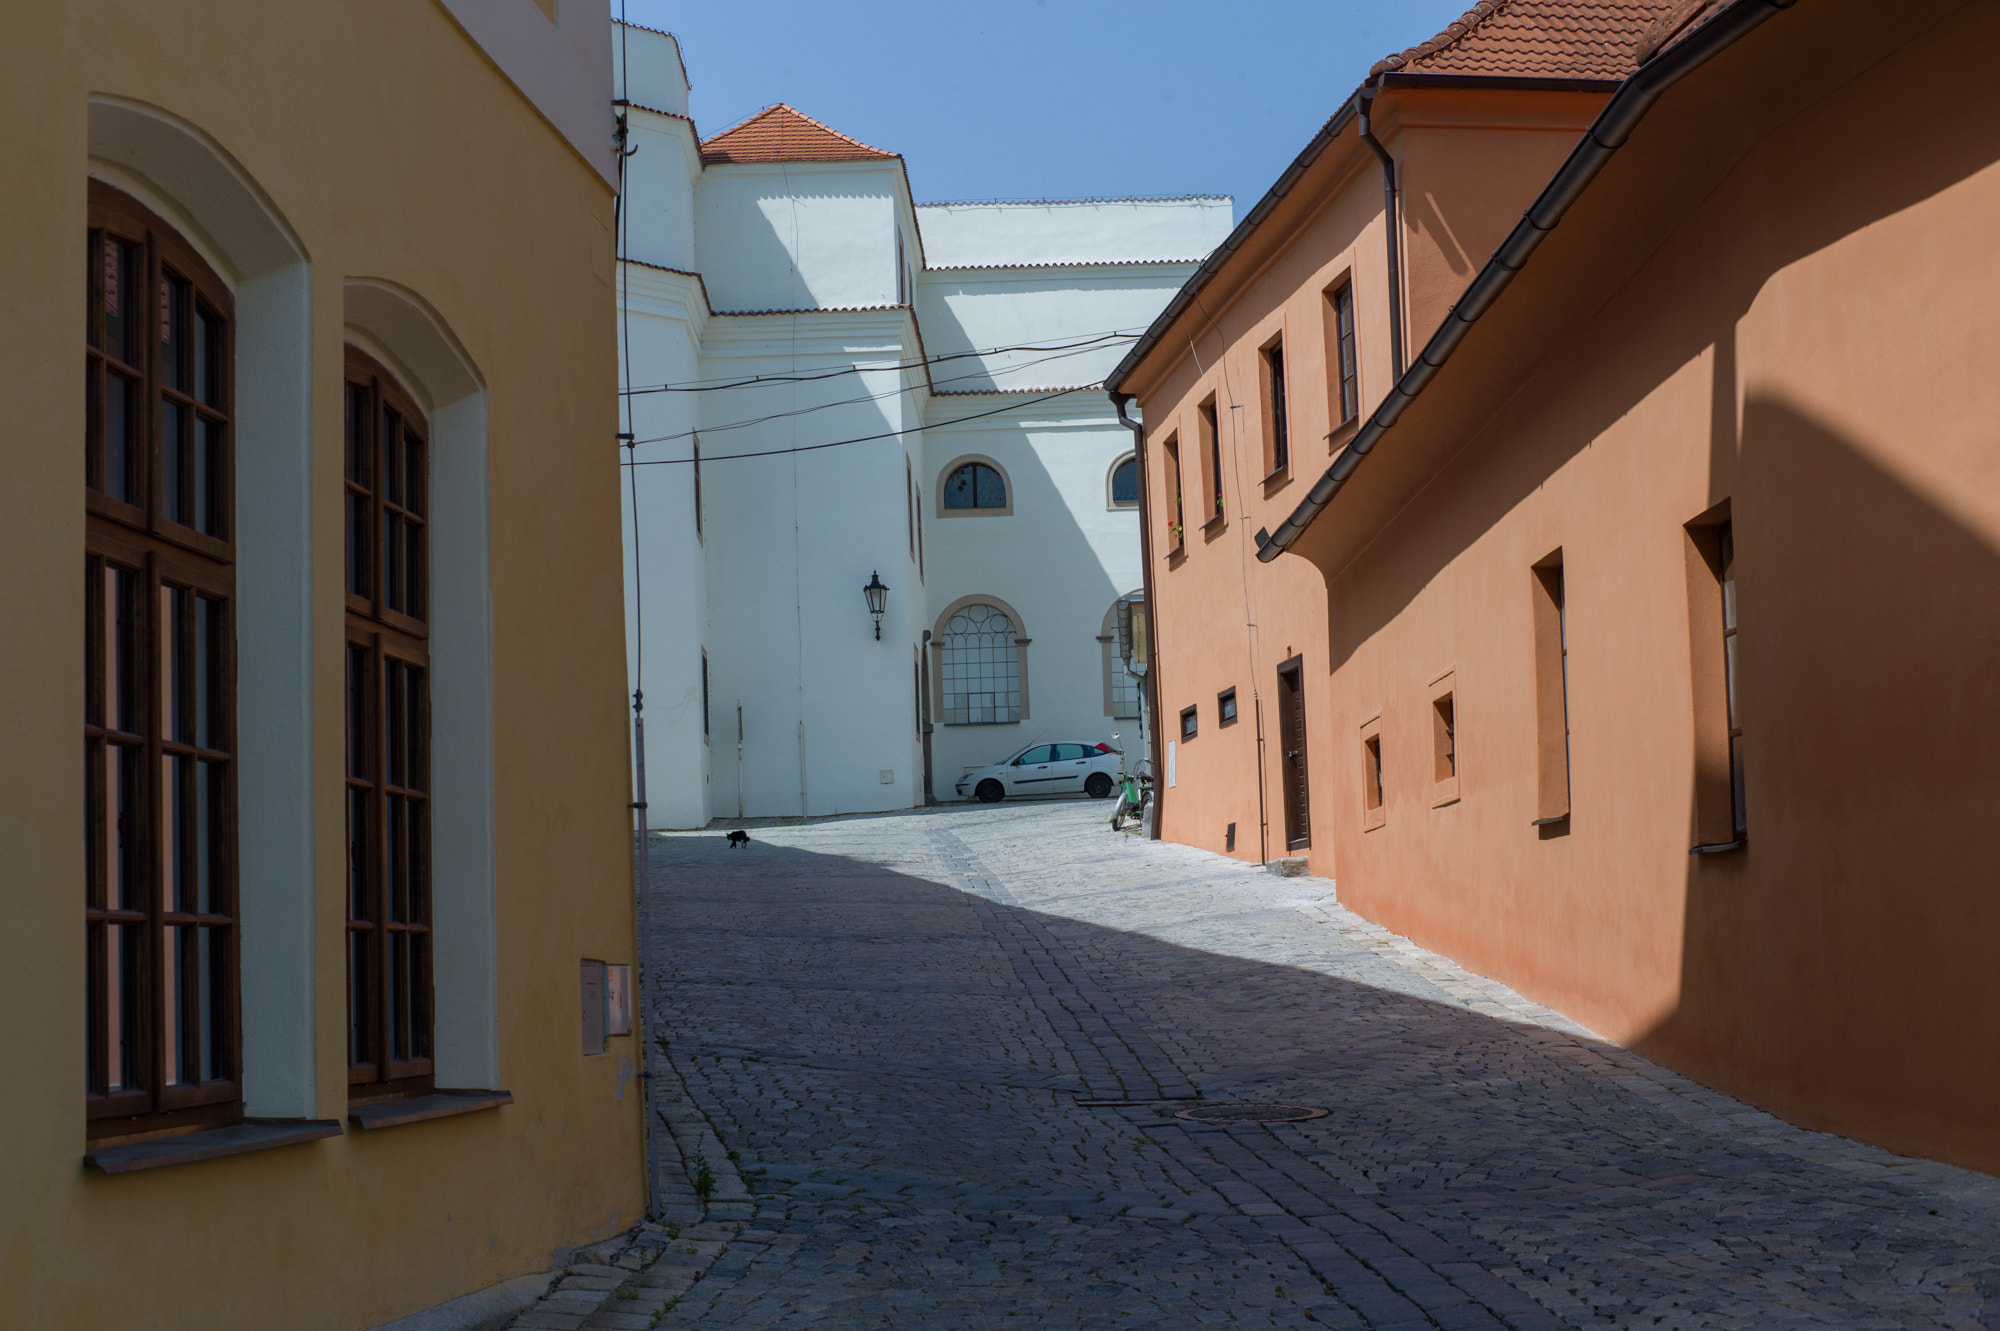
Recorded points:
(1250, 1113)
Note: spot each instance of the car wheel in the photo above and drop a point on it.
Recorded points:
(1097, 786)
(990, 791)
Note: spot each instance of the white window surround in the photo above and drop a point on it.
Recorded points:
(400, 329)
(1004, 511)
(186, 176)
(1111, 500)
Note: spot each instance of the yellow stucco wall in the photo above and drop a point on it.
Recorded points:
(395, 150)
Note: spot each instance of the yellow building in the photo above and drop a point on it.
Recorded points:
(313, 794)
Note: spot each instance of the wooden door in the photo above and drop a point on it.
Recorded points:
(1292, 750)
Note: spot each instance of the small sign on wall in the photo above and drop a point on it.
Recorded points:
(1170, 764)
(607, 1003)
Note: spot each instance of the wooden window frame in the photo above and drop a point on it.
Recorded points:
(1176, 505)
(1209, 434)
(1190, 722)
(1276, 410)
(1549, 600)
(1720, 821)
(383, 642)
(1343, 358)
(1226, 713)
(180, 726)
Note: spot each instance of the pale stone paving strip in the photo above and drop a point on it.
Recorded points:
(884, 1026)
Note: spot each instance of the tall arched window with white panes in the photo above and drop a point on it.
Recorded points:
(980, 659)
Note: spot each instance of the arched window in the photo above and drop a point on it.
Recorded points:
(981, 663)
(1121, 686)
(159, 680)
(389, 989)
(1125, 482)
(976, 485)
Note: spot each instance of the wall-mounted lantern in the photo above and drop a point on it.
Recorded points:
(877, 593)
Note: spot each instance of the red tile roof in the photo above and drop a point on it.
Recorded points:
(1564, 39)
(781, 134)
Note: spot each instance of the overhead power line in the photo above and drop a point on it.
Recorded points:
(860, 439)
(834, 372)
(838, 402)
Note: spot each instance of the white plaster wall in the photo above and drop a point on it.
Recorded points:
(646, 68)
(664, 316)
(798, 235)
(1007, 307)
(773, 591)
(1076, 231)
(792, 540)
(1060, 560)
(659, 191)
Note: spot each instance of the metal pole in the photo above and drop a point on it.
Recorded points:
(648, 1000)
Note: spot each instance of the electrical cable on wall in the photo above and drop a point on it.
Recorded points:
(620, 225)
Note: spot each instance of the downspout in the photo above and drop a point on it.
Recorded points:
(1391, 222)
(1152, 680)
(1606, 135)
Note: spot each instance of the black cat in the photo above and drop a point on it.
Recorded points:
(738, 838)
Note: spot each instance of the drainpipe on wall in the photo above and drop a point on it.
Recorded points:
(1152, 680)
(1391, 223)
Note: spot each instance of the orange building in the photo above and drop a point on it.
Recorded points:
(1637, 642)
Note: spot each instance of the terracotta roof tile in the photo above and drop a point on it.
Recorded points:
(782, 134)
(1568, 39)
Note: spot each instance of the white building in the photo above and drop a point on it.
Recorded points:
(831, 384)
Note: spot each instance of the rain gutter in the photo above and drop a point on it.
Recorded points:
(1151, 682)
(1608, 133)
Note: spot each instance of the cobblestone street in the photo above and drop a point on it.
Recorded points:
(932, 1062)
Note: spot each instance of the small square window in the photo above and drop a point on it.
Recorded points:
(1188, 723)
(1225, 708)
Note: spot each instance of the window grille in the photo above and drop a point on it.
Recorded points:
(1124, 692)
(975, 485)
(982, 668)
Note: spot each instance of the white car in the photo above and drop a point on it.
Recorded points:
(1046, 769)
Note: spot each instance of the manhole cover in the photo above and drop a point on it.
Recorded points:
(1253, 1113)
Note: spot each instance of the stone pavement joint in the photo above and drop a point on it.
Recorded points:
(880, 1027)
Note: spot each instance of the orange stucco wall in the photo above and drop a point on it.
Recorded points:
(1779, 297)
(1468, 162)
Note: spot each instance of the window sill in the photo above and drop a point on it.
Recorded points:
(1720, 847)
(1214, 527)
(210, 1144)
(423, 1108)
(1277, 480)
(1444, 793)
(1374, 819)
(1338, 437)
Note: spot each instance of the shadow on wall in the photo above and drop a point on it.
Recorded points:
(1838, 968)
(1793, 190)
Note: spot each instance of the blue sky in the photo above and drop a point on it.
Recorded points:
(1049, 98)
